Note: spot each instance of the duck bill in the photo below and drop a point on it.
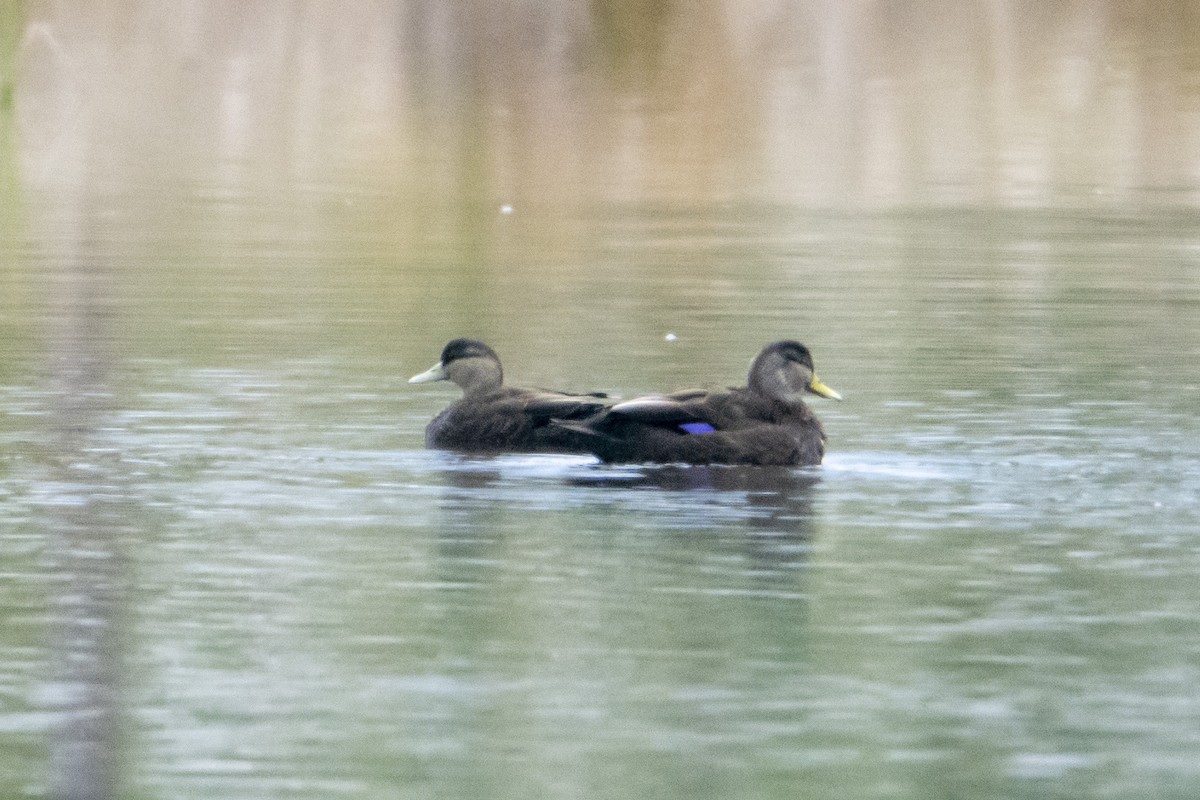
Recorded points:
(435, 373)
(816, 387)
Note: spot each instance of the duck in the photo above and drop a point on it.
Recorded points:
(491, 417)
(764, 423)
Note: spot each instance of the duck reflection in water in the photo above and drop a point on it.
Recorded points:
(773, 503)
(764, 512)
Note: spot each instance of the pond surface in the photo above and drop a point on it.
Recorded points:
(988, 590)
(223, 259)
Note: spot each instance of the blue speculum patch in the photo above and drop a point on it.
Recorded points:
(696, 427)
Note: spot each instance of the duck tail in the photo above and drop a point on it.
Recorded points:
(572, 425)
(581, 427)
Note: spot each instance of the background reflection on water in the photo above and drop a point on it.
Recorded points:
(229, 237)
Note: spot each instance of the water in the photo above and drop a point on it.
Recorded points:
(987, 590)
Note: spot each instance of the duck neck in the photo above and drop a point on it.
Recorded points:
(776, 384)
(476, 376)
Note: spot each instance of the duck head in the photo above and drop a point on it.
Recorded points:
(784, 371)
(469, 363)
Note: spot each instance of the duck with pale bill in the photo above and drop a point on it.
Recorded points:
(491, 417)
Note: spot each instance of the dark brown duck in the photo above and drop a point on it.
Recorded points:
(765, 422)
(492, 417)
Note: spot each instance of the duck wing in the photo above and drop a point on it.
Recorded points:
(543, 404)
(688, 410)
